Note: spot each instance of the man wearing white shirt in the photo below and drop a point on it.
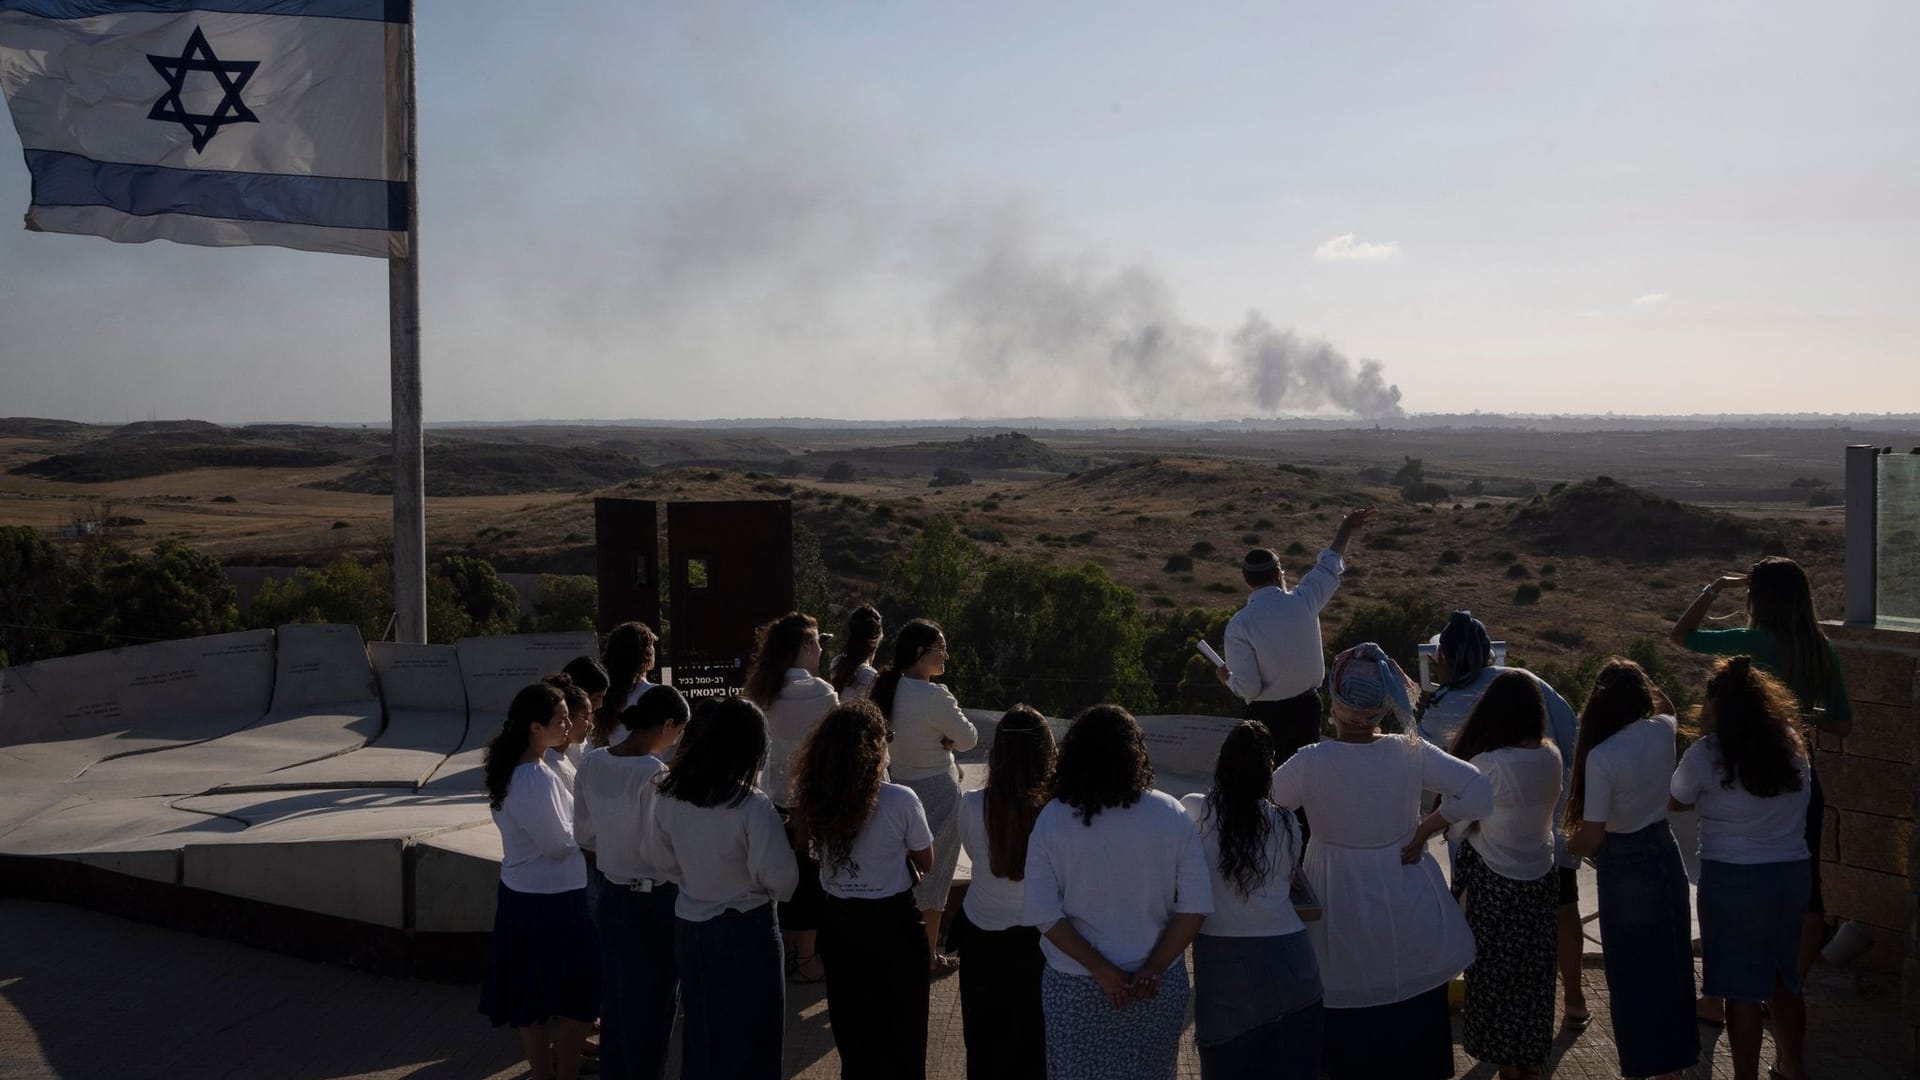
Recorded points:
(1275, 659)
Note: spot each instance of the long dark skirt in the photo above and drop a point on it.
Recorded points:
(735, 989)
(542, 960)
(1000, 1001)
(802, 913)
(1287, 1049)
(1509, 1011)
(1646, 939)
(877, 986)
(1256, 1007)
(1089, 1039)
(1411, 1039)
(640, 978)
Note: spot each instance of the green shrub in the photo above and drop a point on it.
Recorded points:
(1528, 593)
(1178, 563)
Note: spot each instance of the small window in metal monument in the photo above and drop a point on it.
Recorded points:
(696, 573)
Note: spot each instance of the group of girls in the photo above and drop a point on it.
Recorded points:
(808, 831)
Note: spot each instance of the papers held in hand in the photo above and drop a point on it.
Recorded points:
(1206, 650)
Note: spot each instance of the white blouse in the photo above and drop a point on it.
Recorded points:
(924, 713)
(795, 713)
(613, 802)
(1120, 880)
(537, 852)
(1628, 775)
(1268, 912)
(1737, 826)
(1516, 840)
(724, 858)
(993, 902)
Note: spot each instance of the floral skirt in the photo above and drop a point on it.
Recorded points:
(1509, 1008)
(1089, 1039)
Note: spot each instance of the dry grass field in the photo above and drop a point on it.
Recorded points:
(1612, 561)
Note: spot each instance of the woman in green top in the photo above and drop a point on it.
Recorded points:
(1784, 638)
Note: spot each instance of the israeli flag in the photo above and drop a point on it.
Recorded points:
(214, 122)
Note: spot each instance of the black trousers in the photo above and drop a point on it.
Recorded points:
(1000, 1001)
(877, 986)
(1291, 723)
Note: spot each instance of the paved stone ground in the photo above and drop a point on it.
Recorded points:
(84, 995)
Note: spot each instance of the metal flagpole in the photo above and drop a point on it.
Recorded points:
(403, 321)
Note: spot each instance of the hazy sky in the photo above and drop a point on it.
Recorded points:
(938, 209)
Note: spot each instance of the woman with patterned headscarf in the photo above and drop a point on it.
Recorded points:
(1393, 935)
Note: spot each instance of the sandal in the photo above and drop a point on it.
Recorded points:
(943, 965)
(798, 973)
(1579, 1022)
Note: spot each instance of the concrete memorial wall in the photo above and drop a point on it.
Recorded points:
(493, 670)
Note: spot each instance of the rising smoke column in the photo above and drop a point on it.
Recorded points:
(1038, 335)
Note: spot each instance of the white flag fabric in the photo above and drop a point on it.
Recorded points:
(214, 122)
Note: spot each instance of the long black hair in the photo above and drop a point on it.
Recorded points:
(864, 630)
(1622, 693)
(717, 768)
(1019, 783)
(1780, 601)
(909, 645)
(587, 674)
(1510, 713)
(658, 707)
(1238, 803)
(1103, 762)
(532, 705)
(1753, 716)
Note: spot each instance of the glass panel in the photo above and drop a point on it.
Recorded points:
(1897, 540)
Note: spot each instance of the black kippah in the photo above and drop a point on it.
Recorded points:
(1260, 560)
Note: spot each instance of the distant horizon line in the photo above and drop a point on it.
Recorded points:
(1422, 420)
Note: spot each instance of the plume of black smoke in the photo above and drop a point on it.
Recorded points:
(1047, 336)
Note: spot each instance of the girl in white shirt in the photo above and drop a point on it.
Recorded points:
(852, 672)
(613, 804)
(1118, 887)
(725, 844)
(1000, 957)
(927, 726)
(543, 975)
(781, 681)
(1256, 982)
(870, 838)
(1749, 776)
(1505, 872)
(1616, 812)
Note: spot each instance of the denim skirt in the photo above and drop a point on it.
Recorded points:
(1750, 916)
(1646, 938)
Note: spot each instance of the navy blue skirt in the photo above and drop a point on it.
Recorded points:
(1750, 919)
(543, 960)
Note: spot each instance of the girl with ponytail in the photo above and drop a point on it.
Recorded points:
(927, 726)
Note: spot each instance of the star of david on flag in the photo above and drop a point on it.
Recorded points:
(214, 122)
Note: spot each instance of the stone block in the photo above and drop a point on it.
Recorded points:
(1867, 896)
(1875, 843)
(1829, 836)
(1868, 785)
(1887, 732)
(1877, 675)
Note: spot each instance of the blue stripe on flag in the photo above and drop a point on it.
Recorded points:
(146, 190)
(393, 11)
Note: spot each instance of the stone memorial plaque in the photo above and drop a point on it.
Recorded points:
(496, 668)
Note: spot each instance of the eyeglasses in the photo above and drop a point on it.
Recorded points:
(889, 734)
